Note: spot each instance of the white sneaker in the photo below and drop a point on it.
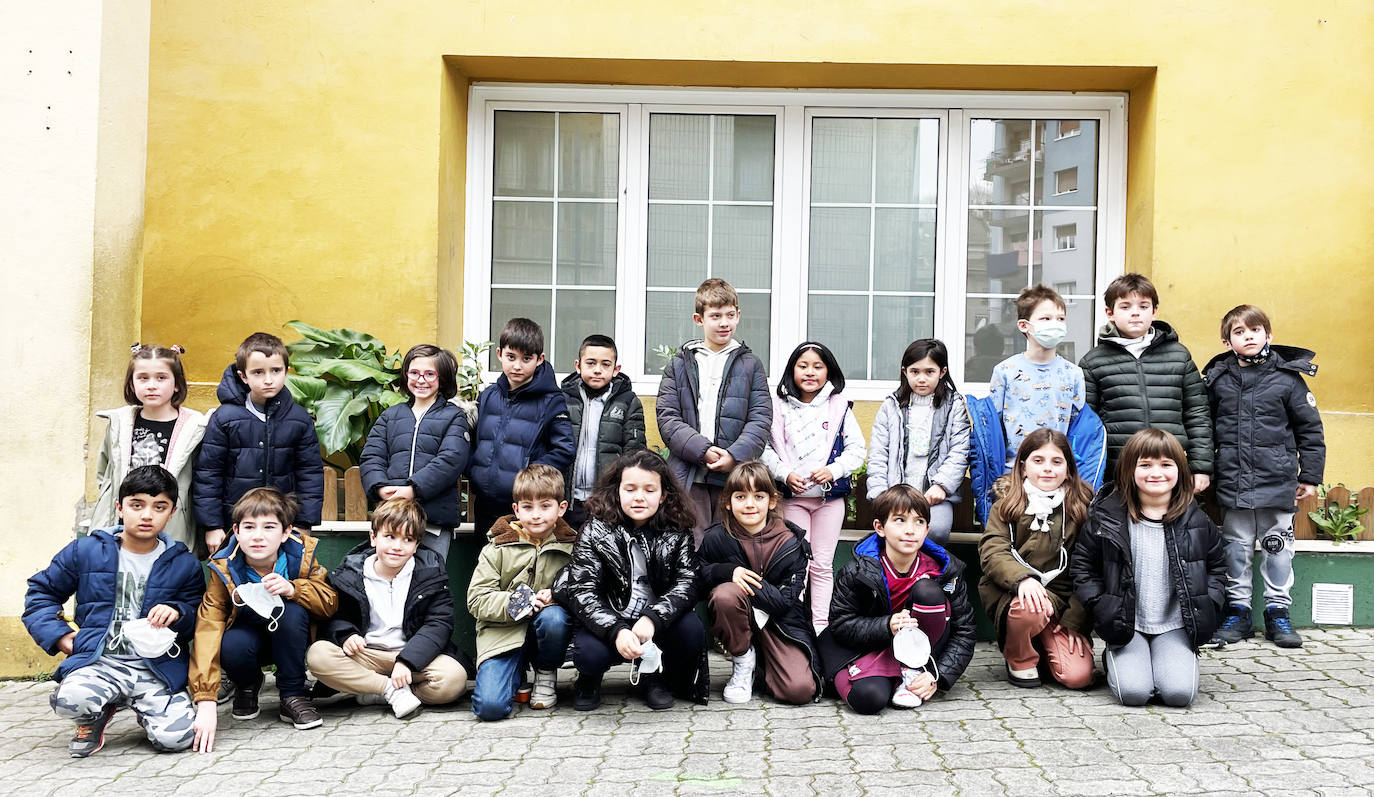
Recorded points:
(904, 697)
(402, 701)
(545, 692)
(740, 687)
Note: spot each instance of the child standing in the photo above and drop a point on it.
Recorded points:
(522, 420)
(632, 585)
(1150, 570)
(391, 639)
(713, 409)
(754, 566)
(1270, 454)
(901, 625)
(1139, 376)
(151, 429)
(815, 445)
(259, 437)
(607, 419)
(1026, 587)
(264, 588)
(921, 435)
(511, 597)
(419, 449)
(136, 593)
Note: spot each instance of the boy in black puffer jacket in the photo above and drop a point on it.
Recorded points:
(1270, 454)
(607, 419)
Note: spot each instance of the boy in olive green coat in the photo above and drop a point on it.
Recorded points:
(517, 620)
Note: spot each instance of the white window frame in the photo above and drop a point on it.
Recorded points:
(1071, 238)
(1062, 191)
(793, 109)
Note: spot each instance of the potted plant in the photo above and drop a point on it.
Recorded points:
(1340, 523)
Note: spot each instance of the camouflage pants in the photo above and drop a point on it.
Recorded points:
(166, 716)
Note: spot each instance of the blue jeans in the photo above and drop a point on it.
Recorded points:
(247, 645)
(546, 644)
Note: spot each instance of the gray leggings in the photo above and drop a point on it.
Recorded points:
(166, 716)
(1150, 663)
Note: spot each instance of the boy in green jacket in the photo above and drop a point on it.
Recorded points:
(510, 596)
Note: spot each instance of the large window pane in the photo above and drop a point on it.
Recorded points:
(508, 303)
(1065, 251)
(998, 250)
(522, 243)
(839, 248)
(679, 155)
(743, 169)
(1073, 154)
(904, 249)
(588, 155)
(898, 320)
(523, 143)
(841, 160)
(668, 324)
(586, 243)
(841, 323)
(579, 314)
(1000, 161)
(742, 245)
(906, 168)
(990, 336)
(677, 245)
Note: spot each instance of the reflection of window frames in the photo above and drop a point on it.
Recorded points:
(1065, 237)
(1069, 128)
(1066, 181)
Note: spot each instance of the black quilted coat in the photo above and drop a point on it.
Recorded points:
(428, 456)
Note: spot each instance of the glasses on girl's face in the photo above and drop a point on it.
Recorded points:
(422, 376)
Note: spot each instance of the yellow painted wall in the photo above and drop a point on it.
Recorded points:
(306, 160)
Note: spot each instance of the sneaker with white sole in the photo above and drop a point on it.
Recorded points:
(402, 701)
(545, 692)
(740, 687)
(226, 691)
(904, 697)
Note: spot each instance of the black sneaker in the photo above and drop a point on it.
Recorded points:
(90, 736)
(1234, 628)
(245, 704)
(300, 713)
(226, 691)
(587, 692)
(1279, 628)
(656, 694)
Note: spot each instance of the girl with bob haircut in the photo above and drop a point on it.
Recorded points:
(921, 435)
(417, 450)
(1150, 570)
(632, 585)
(151, 429)
(815, 445)
(1026, 587)
(753, 566)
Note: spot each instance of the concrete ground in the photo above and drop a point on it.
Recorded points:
(1267, 722)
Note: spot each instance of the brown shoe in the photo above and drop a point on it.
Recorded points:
(300, 712)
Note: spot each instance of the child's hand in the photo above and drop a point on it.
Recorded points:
(747, 580)
(713, 454)
(724, 463)
(400, 676)
(214, 538)
(1305, 491)
(1034, 597)
(542, 598)
(65, 643)
(627, 644)
(276, 585)
(353, 645)
(388, 492)
(162, 615)
(397, 491)
(935, 494)
(923, 685)
(822, 476)
(644, 629)
(204, 725)
(1200, 482)
(1076, 643)
(901, 620)
(797, 483)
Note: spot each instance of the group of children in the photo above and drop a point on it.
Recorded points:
(600, 549)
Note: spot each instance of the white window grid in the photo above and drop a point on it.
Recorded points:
(955, 109)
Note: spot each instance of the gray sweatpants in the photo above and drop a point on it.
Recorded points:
(1240, 528)
(166, 716)
(1150, 663)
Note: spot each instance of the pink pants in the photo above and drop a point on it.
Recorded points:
(822, 520)
(1074, 670)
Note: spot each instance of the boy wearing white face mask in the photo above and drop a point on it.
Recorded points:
(136, 594)
(264, 593)
(1036, 389)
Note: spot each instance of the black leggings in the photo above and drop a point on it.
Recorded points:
(870, 695)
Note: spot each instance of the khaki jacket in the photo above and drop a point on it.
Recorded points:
(1002, 573)
(507, 561)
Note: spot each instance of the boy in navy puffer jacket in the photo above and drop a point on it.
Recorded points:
(259, 437)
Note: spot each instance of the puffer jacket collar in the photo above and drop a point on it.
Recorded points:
(234, 391)
(620, 383)
(541, 384)
(1108, 333)
(1287, 358)
(504, 532)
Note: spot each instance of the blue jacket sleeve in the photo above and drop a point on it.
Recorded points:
(309, 476)
(441, 473)
(372, 463)
(48, 590)
(188, 596)
(208, 477)
(562, 449)
(758, 425)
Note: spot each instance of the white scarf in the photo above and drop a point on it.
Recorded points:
(1040, 504)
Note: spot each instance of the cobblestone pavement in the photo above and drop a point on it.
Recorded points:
(1267, 722)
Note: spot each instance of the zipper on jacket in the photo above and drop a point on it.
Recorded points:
(1144, 389)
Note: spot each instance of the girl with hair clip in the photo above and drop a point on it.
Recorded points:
(921, 435)
(1024, 551)
(632, 585)
(152, 429)
(1150, 570)
(816, 444)
(417, 450)
(754, 565)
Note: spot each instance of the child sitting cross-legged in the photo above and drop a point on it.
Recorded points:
(510, 596)
(901, 625)
(391, 639)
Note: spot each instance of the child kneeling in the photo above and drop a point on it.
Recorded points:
(901, 625)
(511, 598)
(631, 586)
(391, 639)
(754, 564)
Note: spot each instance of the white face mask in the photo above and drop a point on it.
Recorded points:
(256, 597)
(911, 647)
(650, 661)
(148, 640)
(1049, 333)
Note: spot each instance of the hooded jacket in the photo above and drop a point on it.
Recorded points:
(860, 610)
(429, 456)
(1003, 574)
(518, 428)
(427, 619)
(507, 561)
(240, 452)
(1104, 571)
(950, 444)
(622, 422)
(1268, 431)
(88, 569)
(1161, 390)
(112, 465)
(744, 413)
(218, 612)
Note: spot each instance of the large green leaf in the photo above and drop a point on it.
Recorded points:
(306, 390)
(354, 371)
(329, 336)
